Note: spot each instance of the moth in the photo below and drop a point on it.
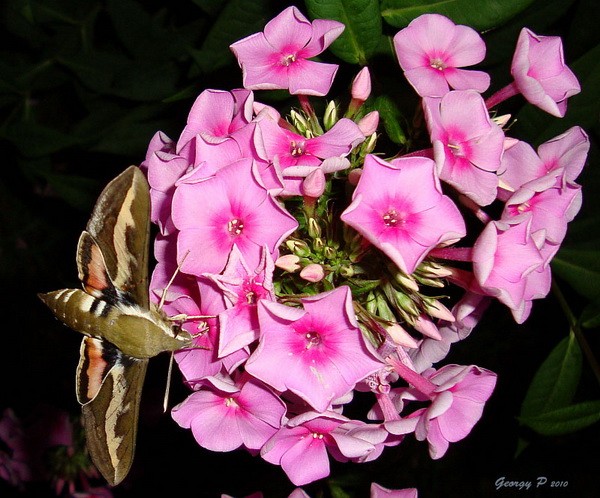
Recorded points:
(122, 328)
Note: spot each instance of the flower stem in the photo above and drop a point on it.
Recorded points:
(501, 95)
(452, 253)
(413, 378)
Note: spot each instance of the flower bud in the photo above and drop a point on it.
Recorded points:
(298, 247)
(314, 184)
(436, 309)
(329, 252)
(354, 176)
(314, 229)
(312, 273)
(330, 116)
(427, 328)
(361, 86)
(288, 262)
(346, 271)
(401, 336)
(368, 124)
(299, 121)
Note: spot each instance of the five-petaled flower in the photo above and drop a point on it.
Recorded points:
(278, 57)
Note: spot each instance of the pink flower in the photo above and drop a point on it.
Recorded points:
(278, 57)
(232, 207)
(431, 49)
(467, 145)
(399, 207)
(321, 347)
(361, 85)
(378, 491)
(540, 73)
(241, 290)
(458, 401)
(226, 415)
(503, 255)
(291, 149)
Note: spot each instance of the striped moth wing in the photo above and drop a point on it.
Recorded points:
(122, 329)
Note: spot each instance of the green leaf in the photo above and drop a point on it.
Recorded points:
(555, 381)
(363, 32)
(590, 317)
(35, 140)
(564, 420)
(390, 116)
(581, 269)
(481, 15)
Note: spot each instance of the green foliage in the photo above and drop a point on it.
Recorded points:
(487, 14)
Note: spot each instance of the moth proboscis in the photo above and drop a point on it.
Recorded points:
(122, 328)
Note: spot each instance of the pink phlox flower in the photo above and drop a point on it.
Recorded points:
(15, 461)
(360, 442)
(225, 415)
(292, 150)
(568, 152)
(216, 115)
(302, 446)
(321, 346)
(552, 202)
(399, 207)
(299, 493)
(457, 405)
(378, 491)
(232, 207)
(467, 145)
(278, 57)
(503, 255)
(540, 74)
(241, 289)
(432, 49)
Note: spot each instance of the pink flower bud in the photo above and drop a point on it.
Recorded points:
(289, 263)
(314, 184)
(313, 273)
(361, 86)
(401, 336)
(368, 124)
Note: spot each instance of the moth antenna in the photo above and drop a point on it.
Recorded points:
(168, 387)
(166, 289)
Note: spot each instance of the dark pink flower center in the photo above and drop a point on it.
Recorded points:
(297, 148)
(312, 339)
(235, 226)
(288, 60)
(392, 218)
(230, 402)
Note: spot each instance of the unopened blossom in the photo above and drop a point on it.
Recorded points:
(232, 207)
(467, 145)
(361, 85)
(432, 50)
(368, 123)
(540, 73)
(312, 273)
(225, 415)
(278, 57)
(399, 207)
(503, 255)
(320, 345)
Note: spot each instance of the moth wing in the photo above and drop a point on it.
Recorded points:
(92, 269)
(120, 225)
(110, 417)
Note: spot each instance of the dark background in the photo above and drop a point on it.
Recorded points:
(83, 87)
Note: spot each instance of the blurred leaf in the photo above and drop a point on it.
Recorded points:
(590, 318)
(238, 19)
(564, 420)
(35, 140)
(581, 269)
(555, 382)
(481, 15)
(363, 31)
(77, 191)
(391, 117)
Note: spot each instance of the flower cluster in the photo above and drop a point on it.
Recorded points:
(309, 269)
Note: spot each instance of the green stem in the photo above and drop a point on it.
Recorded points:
(576, 331)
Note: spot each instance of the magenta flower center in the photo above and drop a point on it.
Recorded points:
(312, 339)
(297, 148)
(235, 226)
(231, 403)
(288, 60)
(392, 218)
(456, 149)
